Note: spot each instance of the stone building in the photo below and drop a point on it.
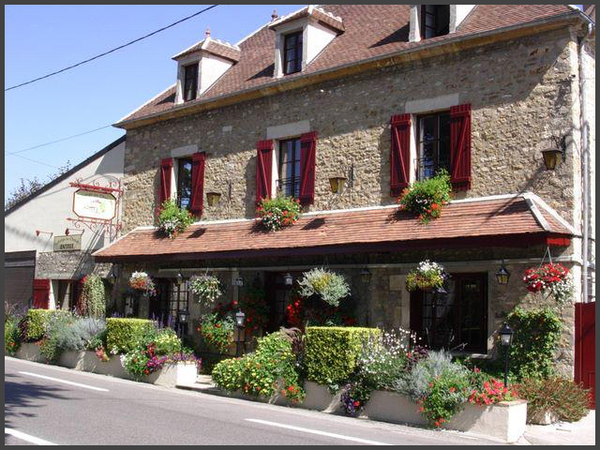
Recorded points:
(381, 95)
(46, 255)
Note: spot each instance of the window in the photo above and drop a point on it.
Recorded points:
(433, 144)
(178, 300)
(455, 320)
(184, 183)
(289, 167)
(435, 20)
(190, 86)
(292, 53)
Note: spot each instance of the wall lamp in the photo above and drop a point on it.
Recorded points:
(551, 154)
(337, 184)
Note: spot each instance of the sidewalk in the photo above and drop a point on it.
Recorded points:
(562, 433)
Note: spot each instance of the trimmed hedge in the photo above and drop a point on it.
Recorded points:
(331, 352)
(122, 334)
(33, 325)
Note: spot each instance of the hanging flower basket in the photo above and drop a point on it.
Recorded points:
(330, 286)
(141, 281)
(554, 279)
(427, 276)
(278, 212)
(426, 198)
(206, 287)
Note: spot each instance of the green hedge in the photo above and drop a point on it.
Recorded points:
(331, 352)
(122, 334)
(34, 323)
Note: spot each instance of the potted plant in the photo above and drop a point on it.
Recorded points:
(172, 220)
(426, 198)
(554, 279)
(329, 286)
(142, 282)
(276, 213)
(206, 287)
(427, 276)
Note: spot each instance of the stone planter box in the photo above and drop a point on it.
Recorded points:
(318, 397)
(392, 407)
(169, 376)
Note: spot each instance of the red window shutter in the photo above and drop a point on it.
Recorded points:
(264, 169)
(308, 147)
(41, 294)
(400, 154)
(166, 166)
(460, 147)
(197, 201)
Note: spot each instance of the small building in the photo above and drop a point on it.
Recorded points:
(46, 254)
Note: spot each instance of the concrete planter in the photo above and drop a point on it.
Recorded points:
(30, 352)
(543, 418)
(392, 407)
(318, 397)
(173, 374)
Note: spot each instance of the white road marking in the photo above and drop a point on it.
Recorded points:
(322, 433)
(26, 437)
(65, 381)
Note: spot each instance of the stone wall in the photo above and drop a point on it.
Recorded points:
(68, 266)
(521, 92)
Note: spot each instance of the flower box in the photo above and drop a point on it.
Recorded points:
(320, 398)
(30, 352)
(391, 407)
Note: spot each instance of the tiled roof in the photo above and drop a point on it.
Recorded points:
(503, 218)
(215, 47)
(318, 13)
(370, 31)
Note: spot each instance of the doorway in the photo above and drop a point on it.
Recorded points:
(279, 296)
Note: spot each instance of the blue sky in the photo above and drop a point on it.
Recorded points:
(41, 39)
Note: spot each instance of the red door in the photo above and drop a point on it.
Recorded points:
(585, 347)
(41, 294)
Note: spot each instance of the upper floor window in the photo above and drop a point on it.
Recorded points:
(292, 53)
(289, 167)
(190, 87)
(184, 182)
(433, 133)
(435, 20)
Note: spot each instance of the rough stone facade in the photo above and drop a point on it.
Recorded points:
(522, 92)
(68, 266)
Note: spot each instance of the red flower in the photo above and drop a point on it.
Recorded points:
(452, 389)
(356, 403)
(435, 206)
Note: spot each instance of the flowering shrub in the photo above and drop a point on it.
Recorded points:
(92, 301)
(254, 305)
(428, 275)
(554, 278)
(206, 287)
(172, 220)
(217, 331)
(330, 286)
(278, 212)
(141, 281)
(493, 391)
(354, 398)
(427, 197)
(446, 395)
(12, 340)
(303, 311)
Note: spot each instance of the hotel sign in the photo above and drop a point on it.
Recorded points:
(67, 243)
(94, 205)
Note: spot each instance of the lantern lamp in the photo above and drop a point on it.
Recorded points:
(365, 275)
(551, 157)
(503, 275)
(240, 317)
(183, 316)
(180, 277)
(239, 281)
(506, 335)
(213, 198)
(288, 279)
(337, 184)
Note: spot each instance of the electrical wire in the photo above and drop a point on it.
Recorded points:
(111, 51)
(58, 140)
(34, 160)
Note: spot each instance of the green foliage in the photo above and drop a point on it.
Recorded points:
(217, 331)
(427, 197)
(278, 212)
(259, 373)
(122, 334)
(559, 396)
(167, 342)
(446, 396)
(206, 287)
(331, 353)
(255, 306)
(12, 337)
(92, 302)
(330, 286)
(57, 336)
(34, 324)
(173, 220)
(535, 341)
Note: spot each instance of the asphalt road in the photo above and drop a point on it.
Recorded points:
(53, 405)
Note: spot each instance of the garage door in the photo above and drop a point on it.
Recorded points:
(19, 271)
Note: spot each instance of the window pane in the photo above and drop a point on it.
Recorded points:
(184, 183)
(444, 143)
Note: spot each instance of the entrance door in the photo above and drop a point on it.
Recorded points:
(279, 296)
(585, 347)
(455, 320)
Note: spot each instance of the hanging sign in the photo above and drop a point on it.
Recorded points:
(67, 243)
(94, 204)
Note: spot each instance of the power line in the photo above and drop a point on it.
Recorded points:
(58, 140)
(111, 51)
(33, 160)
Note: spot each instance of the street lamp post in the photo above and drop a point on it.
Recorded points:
(182, 318)
(240, 319)
(506, 336)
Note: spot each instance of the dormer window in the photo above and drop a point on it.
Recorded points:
(292, 54)
(435, 20)
(191, 82)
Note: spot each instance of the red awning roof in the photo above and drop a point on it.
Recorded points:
(511, 222)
